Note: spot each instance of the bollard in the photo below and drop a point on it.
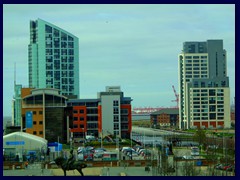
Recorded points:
(13, 167)
(46, 166)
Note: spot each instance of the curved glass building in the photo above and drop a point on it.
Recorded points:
(53, 58)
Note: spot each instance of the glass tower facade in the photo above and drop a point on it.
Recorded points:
(53, 58)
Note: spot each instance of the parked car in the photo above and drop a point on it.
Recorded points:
(124, 148)
(212, 146)
(227, 166)
(232, 168)
(80, 149)
(128, 150)
(223, 166)
(140, 151)
(98, 150)
(146, 152)
(98, 155)
(80, 156)
(132, 154)
(89, 148)
(187, 157)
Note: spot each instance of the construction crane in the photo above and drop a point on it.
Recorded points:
(177, 96)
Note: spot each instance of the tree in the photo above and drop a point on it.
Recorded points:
(200, 136)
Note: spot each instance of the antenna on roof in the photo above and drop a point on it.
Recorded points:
(14, 75)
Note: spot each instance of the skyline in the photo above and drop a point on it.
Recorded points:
(132, 46)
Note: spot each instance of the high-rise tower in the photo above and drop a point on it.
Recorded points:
(53, 58)
(204, 86)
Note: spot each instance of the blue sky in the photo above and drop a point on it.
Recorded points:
(133, 46)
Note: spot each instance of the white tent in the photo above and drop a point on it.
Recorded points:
(22, 140)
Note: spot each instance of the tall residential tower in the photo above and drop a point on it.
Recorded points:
(204, 86)
(53, 58)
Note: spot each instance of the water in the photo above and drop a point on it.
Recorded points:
(140, 117)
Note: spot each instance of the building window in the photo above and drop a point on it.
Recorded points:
(124, 111)
(81, 111)
(212, 100)
(116, 133)
(81, 125)
(48, 29)
(203, 84)
(212, 116)
(115, 111)
(212, 92)
(40, 122)
(115, 119)
(81, 118)
(40, 112)
(212, 108)
(34, 112)
(75, 111)
(40, 132)
(34, 122)
(35, 132)
(75, 118)
(116, 126)
(75, 126)
(115, 103)
(195, 84)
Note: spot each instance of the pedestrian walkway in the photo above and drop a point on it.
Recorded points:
(28, 172)
(106, 171)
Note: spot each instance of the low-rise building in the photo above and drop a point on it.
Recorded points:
(167, 117)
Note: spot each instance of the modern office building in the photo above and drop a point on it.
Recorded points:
(204, 85)
(108, 114)
(43, 114)
(53, 58)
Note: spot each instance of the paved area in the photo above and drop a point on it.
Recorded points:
(28, 172)
(91, 171)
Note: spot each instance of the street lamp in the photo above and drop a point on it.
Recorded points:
(131, 138)
(83, 133)
(83, 136)
(144, 138)
(102, 138)
(58, 146)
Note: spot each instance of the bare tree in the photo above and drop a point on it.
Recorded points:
(200, 136)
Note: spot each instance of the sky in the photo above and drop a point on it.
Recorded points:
(134, 46)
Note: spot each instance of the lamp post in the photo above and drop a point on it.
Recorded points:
(102, 138)
(144, 138)
(58, 146)
(83, 136)
(131, 138)
(82, 133)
